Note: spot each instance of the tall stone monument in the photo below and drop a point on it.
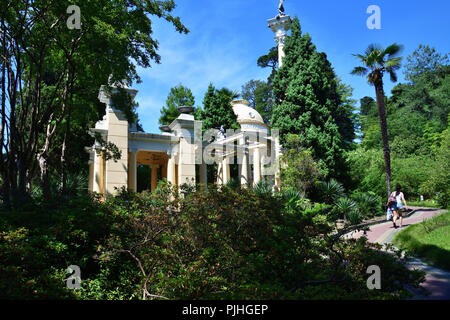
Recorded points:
(280, 26)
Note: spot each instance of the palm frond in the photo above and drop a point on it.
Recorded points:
(394, 63)
(262, 189)
(331, 191)
(360, 71)
(374, 58)
(393, 76)
(393, 50)
(360, 57)
(373, 47)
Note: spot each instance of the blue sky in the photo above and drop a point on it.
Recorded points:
(227, 37)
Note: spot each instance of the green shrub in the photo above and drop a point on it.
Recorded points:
(345, 206)
(224, 244)
(262, 188)
(368, 203)
(443, 199)
(354, 217)
(331, 191)
(298, 168)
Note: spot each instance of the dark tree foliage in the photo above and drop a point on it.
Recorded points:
(368, 106)
(52, 75)
(422, 60)
(259, 94)
(307, 101)
(269, 60)
(217, 112)
(414, 111)
(346, 117)
(178, 96)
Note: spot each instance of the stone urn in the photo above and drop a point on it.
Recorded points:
(165, 128)
(185, 109)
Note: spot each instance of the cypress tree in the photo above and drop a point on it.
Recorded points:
(217, 112)
(307, 101)
(178, 96)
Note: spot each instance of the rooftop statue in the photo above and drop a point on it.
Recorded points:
(281, 8)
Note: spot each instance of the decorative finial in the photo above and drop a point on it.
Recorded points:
(281, 8)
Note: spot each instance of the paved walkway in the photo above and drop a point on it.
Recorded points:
(437, 280)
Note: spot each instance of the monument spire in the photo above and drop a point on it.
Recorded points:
(280, 25)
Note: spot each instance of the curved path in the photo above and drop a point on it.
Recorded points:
(437, 280)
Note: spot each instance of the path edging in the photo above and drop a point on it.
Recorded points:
(352, 229)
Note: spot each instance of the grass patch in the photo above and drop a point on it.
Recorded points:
(429, 240)
(425, 203)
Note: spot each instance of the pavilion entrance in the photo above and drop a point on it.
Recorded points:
(151, 168)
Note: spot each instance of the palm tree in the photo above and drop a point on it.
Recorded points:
(331, 191)
(376, 61)
(345, 206)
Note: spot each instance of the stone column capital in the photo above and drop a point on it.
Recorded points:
(280, 38)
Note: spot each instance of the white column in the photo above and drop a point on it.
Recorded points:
(171, 170)
(96, 182)
(133, 170)
(244, 164)
(220, 174)
(280, 37)
(225, 170)
(280, 25)
(256, 166)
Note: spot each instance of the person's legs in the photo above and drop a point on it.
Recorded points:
(401, 217)
(395, 218)
(400, 213)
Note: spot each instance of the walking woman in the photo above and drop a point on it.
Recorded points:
(397, 206)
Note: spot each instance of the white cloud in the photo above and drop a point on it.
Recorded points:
(194, 60)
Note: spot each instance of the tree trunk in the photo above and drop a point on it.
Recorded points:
(45, 181)
(384, 133)
(63, 156)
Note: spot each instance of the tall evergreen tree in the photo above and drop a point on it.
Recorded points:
(307, 100)
(346, 118)
(178, 96)
(217, 112)
(424, 59)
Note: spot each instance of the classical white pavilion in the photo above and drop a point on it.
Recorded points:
(177, 155)
(181, 154)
